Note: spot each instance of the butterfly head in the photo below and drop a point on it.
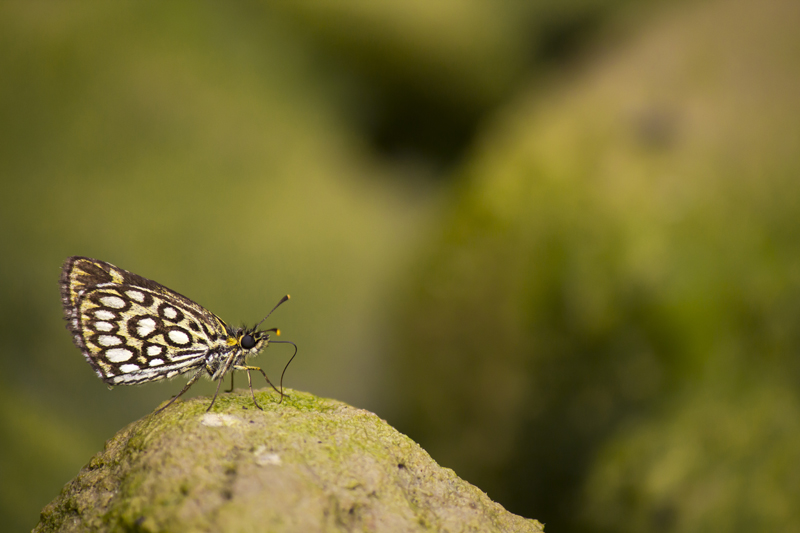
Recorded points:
(250, 340)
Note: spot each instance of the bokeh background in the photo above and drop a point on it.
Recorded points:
(556, 242)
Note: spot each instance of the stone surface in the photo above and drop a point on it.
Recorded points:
(308, 464)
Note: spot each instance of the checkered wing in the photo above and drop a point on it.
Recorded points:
(134, 330)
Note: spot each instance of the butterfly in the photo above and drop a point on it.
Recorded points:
(133, 330)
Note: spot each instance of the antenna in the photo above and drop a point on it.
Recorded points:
(273, 309)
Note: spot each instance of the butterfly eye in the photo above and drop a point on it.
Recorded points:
(247, 342)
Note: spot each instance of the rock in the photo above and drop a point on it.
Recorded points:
(307, 464)
(627, 234)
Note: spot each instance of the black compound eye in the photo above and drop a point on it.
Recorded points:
(247, 342)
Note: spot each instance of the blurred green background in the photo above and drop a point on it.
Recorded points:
(556, 243)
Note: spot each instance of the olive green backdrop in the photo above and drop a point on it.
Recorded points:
(556, 243)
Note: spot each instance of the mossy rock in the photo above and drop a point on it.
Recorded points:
(615, 240)
(307, 464)
(714, 460)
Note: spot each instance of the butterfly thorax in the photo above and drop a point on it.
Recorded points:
(235, 348)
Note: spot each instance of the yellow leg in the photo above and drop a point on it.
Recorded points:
(250, 383)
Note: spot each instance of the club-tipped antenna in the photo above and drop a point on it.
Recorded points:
(287, 364)
(273, 309)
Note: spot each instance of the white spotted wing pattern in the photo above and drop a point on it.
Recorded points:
(133, 330)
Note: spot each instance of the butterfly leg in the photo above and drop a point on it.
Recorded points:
(253, 394)
(185, 388)
(231, 389)
(214, 399)
(249, 382)
(221, 371)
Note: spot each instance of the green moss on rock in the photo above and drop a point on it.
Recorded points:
(308, 464)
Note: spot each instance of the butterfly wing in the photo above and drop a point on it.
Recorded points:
(132, 329)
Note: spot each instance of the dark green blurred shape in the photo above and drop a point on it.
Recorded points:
(713, 460)
(430, 72)
(626, 240)
(233, 152)
(198, 145)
